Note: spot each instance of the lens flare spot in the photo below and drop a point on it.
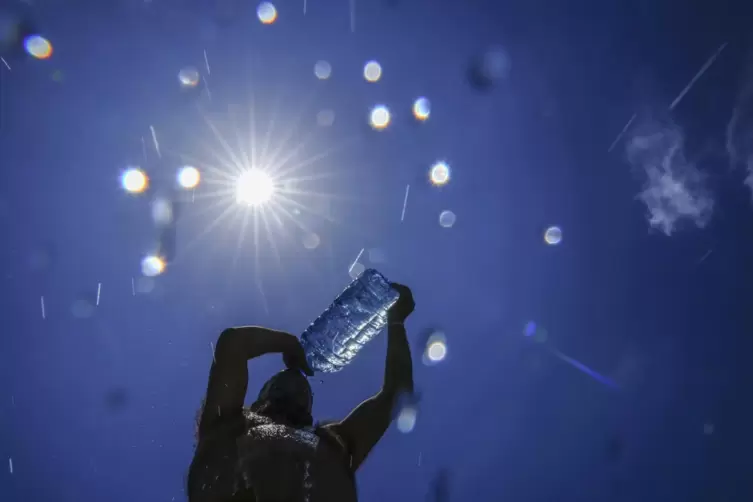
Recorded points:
(439, 174)
(189, 77)
(322, 70)
(372, 71)
(311, 240)
(38, 47)
(267, 13)
(379, 118)
(529, 329)
(152, 265)
(406, 420)
(134, 180)
(447, 219)
(553, 235)
(162, 211)
(254, 187)
(188, 177)
(435, 350)
(421, 109)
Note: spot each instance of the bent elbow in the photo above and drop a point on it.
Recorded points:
(226, 343)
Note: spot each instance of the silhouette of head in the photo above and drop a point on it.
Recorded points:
(287, 396)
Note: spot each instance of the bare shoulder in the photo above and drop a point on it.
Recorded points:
(211, 475)
(329, 432)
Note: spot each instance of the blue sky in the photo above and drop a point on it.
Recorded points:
(649, 287)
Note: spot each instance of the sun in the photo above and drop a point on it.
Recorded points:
(254, 187)
(266, 194)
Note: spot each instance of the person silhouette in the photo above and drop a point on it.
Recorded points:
(272, 450)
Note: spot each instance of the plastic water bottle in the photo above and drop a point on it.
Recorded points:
(356, 316)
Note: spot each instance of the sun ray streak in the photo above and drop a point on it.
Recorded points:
(294, 127)
(271, 240)
(225, 214)
(218, 202)
(307, 209)
(292, 182)
(233, 157)
(290, 216)
(270, 130)
(247, 161)
(276, 166)
(286, 172)
(239, 242)
(227, 178)
(252, 129)
(257, 274)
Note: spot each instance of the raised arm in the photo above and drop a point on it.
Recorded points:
(362, 429)
(228, 377)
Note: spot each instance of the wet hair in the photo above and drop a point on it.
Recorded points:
(276, 402)
(286, 397)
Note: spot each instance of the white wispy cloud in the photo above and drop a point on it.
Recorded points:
(673, 188)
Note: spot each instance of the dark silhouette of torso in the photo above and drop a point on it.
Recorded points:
(256, 459)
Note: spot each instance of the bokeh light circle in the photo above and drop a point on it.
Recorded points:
(38, 47)
(188, 177)
(152, 265)
(436, 351)
(162, 211)
(553, 235)
(322, 70)
(189, 77)
(406, 420)
(267, 13)
(447, 219)
(372, 71)
(379, 118)
(529, 329)
(421, 109)
(439, 174)
(134, 180)
(311, 240)
(406, 405)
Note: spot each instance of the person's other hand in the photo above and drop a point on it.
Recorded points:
(294, 357)
(404, 305)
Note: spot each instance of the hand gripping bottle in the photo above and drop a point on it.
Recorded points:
(356, 316)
